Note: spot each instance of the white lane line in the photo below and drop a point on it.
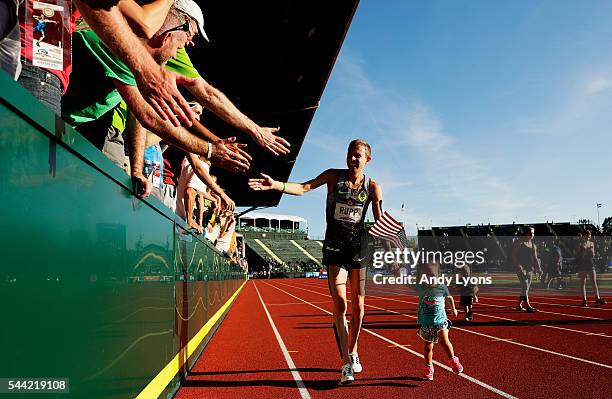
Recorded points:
(548, 303)
(296, 375)
(474, 332)
(293, 303)
(499, 306)
(404, 348)
(545, 325)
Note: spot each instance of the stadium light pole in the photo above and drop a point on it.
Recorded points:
(598, 206)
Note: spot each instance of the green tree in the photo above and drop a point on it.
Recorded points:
(606, 226)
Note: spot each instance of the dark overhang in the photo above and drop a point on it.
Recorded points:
(273, 60)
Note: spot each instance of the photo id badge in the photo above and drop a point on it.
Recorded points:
(47, 26)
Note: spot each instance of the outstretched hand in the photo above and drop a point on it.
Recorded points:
(267, 183)
(229, 155)
(266, 138)
(158, 87)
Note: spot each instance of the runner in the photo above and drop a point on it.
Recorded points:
(349, 192)
(526, 263)
(585, 252)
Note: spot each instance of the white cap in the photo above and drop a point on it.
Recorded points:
(192, 9)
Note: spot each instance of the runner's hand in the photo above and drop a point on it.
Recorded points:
(454, 311)
(267, 183)
(158, 87)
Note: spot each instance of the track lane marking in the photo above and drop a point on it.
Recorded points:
(404, 348)
(470, 331)
(548, 303)
(500, 306)
(296, 375)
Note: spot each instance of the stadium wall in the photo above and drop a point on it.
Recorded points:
(96, 286)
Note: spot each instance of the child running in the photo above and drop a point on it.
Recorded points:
(432, 319)
(468, 292)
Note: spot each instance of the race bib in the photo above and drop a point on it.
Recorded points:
(348, 213)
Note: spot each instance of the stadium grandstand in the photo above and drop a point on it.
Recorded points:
(496, 240)
(278, 245)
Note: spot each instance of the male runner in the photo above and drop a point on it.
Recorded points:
(349, 193)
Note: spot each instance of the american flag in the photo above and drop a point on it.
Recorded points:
(390, 229)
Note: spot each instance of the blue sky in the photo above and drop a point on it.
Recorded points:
(477, 111)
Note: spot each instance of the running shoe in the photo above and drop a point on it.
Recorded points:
(455, 365)
(347, 374)
(428, 373)
(585, 303)
(600, 301)
(531, 310)
(520, 307)
(355, 362)
(469, 316)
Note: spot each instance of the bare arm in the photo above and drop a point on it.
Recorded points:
(377, 198)
(157, 85)
(220, 105)
(147, 19)
(203, 174)
(329, 177)
(225, 153)
(136, 136)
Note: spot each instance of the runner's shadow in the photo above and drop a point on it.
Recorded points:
(285, 370)
(325, 385)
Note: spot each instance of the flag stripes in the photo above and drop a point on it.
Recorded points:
(390, 229)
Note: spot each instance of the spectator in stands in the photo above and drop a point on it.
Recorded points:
(526, 262)
(10, 43)
(158, 87)
(349, 193)
(226, 242)
(99, 75)
(585, 252)
(44, 32)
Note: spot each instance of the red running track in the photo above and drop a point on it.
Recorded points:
(562, 351)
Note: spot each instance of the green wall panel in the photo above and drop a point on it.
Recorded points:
(95, 285)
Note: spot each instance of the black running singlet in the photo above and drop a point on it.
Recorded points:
(346, 210)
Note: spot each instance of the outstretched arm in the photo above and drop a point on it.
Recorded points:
(201, 172)
(328, 177)
(147, 19)
(225, 153)
(220, 105)
(157, 85)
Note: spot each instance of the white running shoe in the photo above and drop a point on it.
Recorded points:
(355, 362)
(347, 374)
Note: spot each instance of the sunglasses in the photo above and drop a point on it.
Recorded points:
(185, 27)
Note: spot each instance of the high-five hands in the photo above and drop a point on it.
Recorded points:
(267, 183)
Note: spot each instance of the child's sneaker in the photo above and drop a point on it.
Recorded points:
(428, 373)
(357, 368)
(455, 365)
(347, 374)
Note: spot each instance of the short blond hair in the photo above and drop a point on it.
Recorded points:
(362, 143)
